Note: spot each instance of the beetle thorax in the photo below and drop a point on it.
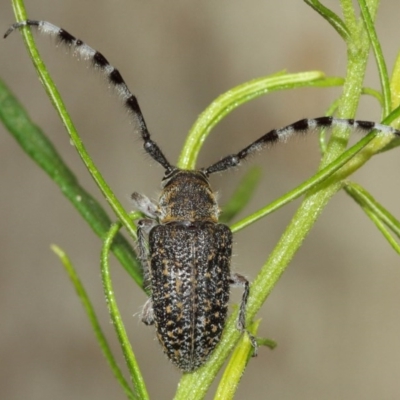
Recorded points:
(187, 197)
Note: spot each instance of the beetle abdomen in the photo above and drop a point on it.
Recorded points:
(190, 288)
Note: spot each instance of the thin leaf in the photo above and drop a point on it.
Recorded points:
(385, 232)
(305, 186)
(331, 17)
(54, 95)
(133, 367)
(227, 102)
(395, 86)
(380, 61)
(395, 90)
(237, 364)
(87, 305)
(332, 109)
(394, 115)
(33, 141)
(374, 93)
(241, 196)
(383, 219)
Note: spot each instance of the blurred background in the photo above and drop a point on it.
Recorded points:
(335, 311)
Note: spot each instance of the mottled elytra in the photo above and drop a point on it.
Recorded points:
(185, 252)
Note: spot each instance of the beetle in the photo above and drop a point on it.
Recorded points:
(189, 274)
(185, 251)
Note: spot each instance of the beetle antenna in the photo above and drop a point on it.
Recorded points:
(100, 63)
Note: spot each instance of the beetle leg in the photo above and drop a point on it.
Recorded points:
(240, 280)
(145, 205)
(144, 227)
(148, 312)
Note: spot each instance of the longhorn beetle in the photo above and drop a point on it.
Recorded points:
(185, 252)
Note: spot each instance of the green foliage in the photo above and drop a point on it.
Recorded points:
(337, 164)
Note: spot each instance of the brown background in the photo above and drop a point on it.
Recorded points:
(334, 313)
